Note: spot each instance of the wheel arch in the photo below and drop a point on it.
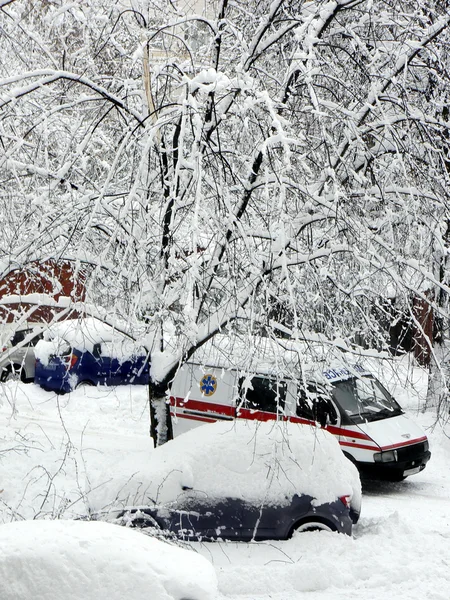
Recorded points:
(350, 457)
(311, 520)
(85, 383)
(10, 368)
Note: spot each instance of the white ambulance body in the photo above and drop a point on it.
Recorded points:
(349, 402)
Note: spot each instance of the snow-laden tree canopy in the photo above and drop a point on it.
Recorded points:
(283, 164)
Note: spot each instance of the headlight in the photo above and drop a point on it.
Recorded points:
(383, 457)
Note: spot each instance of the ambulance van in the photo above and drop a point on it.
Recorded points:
(372, 429)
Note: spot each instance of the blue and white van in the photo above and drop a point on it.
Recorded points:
(371, 427)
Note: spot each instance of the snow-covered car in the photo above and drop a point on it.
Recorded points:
(89, 560)
(249, 480)
(88, 352)
(17, 359)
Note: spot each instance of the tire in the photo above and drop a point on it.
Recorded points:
(12, 373)
(140, 519)
(312, 524)
(83, 384)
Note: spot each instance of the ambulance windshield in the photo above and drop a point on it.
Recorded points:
(365, 399)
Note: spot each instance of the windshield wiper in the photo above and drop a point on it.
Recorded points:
(377, 415)
(363, 414)
(389, 412)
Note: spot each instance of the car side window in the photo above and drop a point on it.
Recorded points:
(266, 394)
(97, 350)
(314, 404)
(35, 340)
(19, 336)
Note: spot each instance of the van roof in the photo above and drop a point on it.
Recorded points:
(278, 358)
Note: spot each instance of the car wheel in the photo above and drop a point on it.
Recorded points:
(84, 383)
(139, 518)
(312, 525)
(12, 373)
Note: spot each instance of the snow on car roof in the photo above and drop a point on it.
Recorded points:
(84, 334)
(261, 462)
(89, 560)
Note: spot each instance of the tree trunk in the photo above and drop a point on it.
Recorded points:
(160, 421)
(423, 335)
(438, 379)
(439, 373)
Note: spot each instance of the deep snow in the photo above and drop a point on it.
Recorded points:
(73, 560)
(71, 455)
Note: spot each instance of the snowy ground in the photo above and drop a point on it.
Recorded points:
(61, 559)
(71, 455)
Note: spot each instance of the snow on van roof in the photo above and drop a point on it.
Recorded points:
(278, 357)
(261, 462)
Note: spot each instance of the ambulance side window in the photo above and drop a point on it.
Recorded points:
(315, 405)
(268, 395)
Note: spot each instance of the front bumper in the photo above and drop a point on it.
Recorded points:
(410, 460)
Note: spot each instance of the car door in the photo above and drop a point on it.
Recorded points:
(196, 515)
(115, 369)
(134, 366)
(199, 515)
(102, 366)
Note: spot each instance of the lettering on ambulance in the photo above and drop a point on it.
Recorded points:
(343, 372)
